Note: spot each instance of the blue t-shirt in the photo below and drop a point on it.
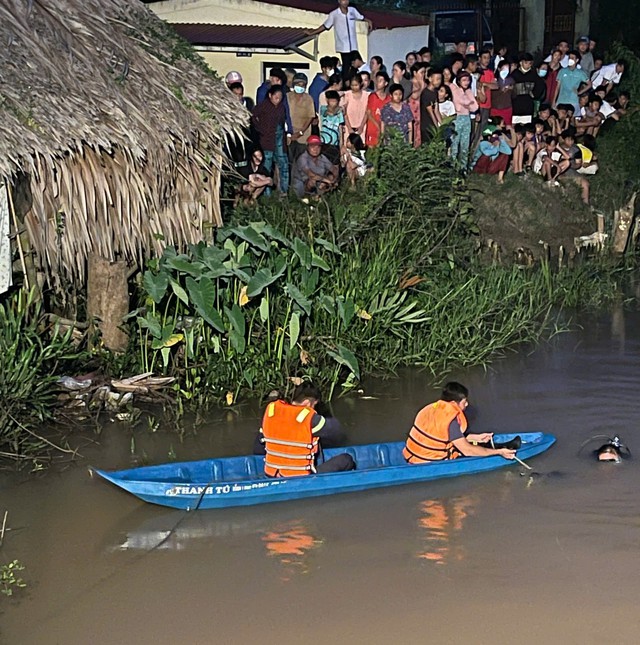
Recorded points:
(569, 81)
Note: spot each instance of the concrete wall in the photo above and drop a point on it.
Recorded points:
(533, 25)
(252, 12)
(393, 44)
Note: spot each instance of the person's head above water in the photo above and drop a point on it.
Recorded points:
(613, 451)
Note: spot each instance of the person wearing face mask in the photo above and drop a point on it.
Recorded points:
(501, 105)
(528, 87)
(569, 80)
(320, 82)
(302, 112)
(543, 71)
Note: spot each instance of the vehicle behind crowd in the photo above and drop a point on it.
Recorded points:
(499, 113)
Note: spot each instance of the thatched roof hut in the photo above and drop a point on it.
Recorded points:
(115, 127)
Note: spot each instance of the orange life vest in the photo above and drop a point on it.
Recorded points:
(290, 445)
(428, 440)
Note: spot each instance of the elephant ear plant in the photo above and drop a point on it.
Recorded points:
(237, 315)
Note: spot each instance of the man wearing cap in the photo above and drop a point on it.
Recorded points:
(232, 77)
(302, 112)
(313, 173)
(586, 57)
(343, 21)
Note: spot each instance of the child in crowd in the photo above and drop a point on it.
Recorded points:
(353, 158)
(396, 115)
(331, 126)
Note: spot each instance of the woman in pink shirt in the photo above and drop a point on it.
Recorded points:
(465, 103)
(354, 105)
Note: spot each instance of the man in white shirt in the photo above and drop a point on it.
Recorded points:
(563, 47)
(343, 21)
(609, 75)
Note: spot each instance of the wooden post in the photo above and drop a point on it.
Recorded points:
(108, 299)
(623, 225)
(6, 278)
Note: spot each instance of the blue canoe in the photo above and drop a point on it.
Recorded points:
(240, 481)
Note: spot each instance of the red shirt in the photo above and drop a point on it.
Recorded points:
(487, 76)
(374, 104)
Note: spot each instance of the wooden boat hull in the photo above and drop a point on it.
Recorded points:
(240, 481)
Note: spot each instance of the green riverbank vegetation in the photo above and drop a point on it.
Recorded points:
(357, 284)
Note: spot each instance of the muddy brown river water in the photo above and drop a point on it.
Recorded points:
(489, 559)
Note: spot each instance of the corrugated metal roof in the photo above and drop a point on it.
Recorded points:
(241, 35)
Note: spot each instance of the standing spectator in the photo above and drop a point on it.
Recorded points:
(238, 90)
(376, 65)
(313, 173)
(357, 65)
(396, 115)
(425, 55)
(528, 87)
(269, 120)
(586, 57)
(553, 67)
(465, 103)
(375, 102)
(302, 114)
(343, 21)
(276, 77)
(563, 48)
(486, 84)
(411, 59)
(331, 126)
(502, 97)
(609, 75)
(569, 80)
(418, 84)
(430, 118)
(354, 105)
(320, 83)
(499, 57)
(399, 76)
(446, 105)
(335, 85)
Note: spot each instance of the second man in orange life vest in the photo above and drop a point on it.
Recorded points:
(291, 435)
(438, 431)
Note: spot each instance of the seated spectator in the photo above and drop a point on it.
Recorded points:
(548, 116)
(549, 161)
(621, 106)
(591, 117)
(589, 157)
(492, 156)
(573, 154)
(256, 176)
(331, 126)
(313, 173)
(564, 118)
(396, 115)
(609, 75)
(353, 158)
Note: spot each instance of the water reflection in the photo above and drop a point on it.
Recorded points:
(291, 543)
(440, 523)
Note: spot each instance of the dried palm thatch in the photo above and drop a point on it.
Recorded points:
(117, 125)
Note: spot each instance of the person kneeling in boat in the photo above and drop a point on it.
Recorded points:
(291, 436)
(438, 432)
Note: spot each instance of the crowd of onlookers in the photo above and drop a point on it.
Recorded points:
(498, 113)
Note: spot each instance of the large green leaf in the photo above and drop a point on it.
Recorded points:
(236, 318)
(238, 341)
(347, 358)
(296, 295)
(294, 329)
(249, 234)
(264, 309)
(155, 285)
(303, 251)
(183, 264)
(180, 292)
(346, 310)
(261, 280)
(203, 294)
(319, 262)
(330, 246)
(152, 323)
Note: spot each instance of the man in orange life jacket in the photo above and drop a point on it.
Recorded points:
(438, 431)
(291, 433)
